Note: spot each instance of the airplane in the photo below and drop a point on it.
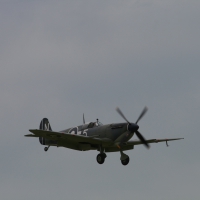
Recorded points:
(113, 137)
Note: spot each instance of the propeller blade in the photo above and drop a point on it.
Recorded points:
(83, 119)
(122, 115)
(142, 114)
(142, 139)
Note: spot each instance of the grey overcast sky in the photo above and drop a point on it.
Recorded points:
(60, 59)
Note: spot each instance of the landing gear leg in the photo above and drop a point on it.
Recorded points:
(46, 148)
(124, 158)
(101, 157)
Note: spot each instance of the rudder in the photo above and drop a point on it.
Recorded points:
(45, 125)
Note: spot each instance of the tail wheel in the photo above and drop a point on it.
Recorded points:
(125, 162)
(101, 158)
(46, 148)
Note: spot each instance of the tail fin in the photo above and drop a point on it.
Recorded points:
(45, 125)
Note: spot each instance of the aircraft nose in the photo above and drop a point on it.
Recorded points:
(133, 127)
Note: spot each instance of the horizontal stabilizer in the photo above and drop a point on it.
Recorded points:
(30, 135)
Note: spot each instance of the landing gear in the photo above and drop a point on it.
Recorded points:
(46, 148)
(124, 158)
(101, 158)
(125, 162)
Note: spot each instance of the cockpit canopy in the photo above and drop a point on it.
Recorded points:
(94, 124)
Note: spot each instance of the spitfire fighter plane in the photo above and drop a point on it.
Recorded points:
(96, 136)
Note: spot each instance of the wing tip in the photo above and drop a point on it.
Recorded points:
(180, 138)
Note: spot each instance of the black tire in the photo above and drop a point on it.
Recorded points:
(125, 162)
(100, 158)
(104, 155)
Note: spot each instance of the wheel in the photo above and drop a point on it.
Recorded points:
(104, 155)
(46, 148)
(126, 161)
(101, 158)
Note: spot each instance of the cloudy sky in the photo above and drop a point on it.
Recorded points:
(60, 59)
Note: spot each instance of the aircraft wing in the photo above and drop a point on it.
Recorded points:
(130, 144)
(137, 142)
(69, 137)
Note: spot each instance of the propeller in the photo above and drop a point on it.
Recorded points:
(139, 135)
(133, 127)
(142, 114)
(122, 115)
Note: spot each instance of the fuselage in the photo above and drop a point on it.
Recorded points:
(113, 132)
